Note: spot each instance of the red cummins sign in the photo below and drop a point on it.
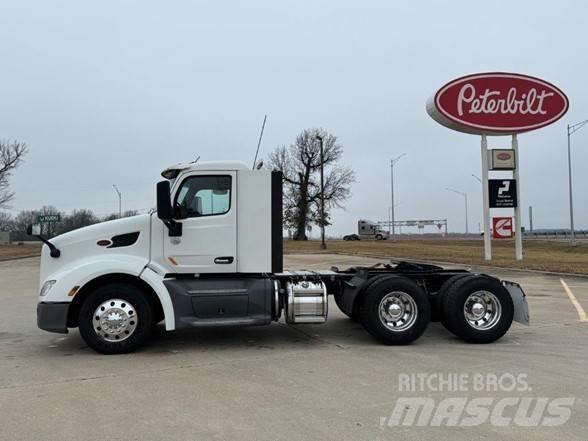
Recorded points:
(497, 103)
(502, 227)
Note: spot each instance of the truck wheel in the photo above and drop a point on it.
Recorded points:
(395, 310)
(437, 299)
(478, 309)
(116, 319)
(379, 237)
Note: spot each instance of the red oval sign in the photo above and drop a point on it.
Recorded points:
(497, 103)
(503, 156)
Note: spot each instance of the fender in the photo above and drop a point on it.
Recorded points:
(83, 271)
(155, 281)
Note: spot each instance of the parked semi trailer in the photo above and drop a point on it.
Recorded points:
(211, 255)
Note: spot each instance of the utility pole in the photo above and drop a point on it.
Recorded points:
(465, 196)
(392, 162)
(530, 218)
(323, 244)
(119, 200)
(571, 130)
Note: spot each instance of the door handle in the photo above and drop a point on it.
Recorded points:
(224, 260)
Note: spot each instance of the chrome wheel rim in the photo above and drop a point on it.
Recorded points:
(115, 320)
(482, 310)
(398, 311)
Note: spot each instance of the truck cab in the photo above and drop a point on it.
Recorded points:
(368, 230)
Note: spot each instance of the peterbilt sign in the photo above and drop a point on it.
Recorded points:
(502, 159)
(497, 103)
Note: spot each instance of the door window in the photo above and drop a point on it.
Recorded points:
(204, 196)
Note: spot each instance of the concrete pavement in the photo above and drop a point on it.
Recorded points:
(318, 382)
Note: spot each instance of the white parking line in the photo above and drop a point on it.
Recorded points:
(574, 300)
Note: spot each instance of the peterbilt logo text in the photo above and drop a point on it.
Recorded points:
(493, 101)
(497, 103)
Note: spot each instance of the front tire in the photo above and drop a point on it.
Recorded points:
(395, 310)
(116, 319)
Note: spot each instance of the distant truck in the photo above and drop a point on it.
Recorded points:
(368, 230)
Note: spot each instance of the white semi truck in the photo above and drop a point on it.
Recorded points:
(211, 255)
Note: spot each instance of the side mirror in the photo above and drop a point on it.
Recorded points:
(164, 206)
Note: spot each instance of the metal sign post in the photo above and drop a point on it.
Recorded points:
(486, 201)
(517, 210)
(499, 104)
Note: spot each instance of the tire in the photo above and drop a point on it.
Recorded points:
(437, 299)
(495, 309)
(412, 318)
(379, 237)
(129, 331)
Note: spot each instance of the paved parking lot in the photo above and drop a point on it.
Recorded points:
(319, 382)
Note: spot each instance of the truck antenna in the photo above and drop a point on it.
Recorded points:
(259, 141)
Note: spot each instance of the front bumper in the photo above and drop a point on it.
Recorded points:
(52, 316)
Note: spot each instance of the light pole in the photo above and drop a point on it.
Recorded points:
(119, 200)
(571, 130)
(392, 162)
(465, 196)
(323, 244)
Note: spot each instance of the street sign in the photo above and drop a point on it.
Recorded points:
(502, 159)
(502, 193)
(49, 218)
(502, 227)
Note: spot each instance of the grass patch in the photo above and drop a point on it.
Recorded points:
(8, 252)
(538, 254)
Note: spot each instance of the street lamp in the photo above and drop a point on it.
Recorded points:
(573, 128)
(392, 162)
(119, 200)
(465, 196)
(323, 244)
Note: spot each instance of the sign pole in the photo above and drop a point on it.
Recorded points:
(486, 200)
(518, 226)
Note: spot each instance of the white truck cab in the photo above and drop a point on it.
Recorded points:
(211, 255)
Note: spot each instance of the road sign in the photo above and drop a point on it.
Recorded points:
(502, 193)
(502, 227)
(49, 218)
(502, 159)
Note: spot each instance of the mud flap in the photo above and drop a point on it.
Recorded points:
(519, 300)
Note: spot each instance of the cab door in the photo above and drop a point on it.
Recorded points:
(206, 206)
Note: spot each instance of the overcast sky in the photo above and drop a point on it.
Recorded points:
(110, 92)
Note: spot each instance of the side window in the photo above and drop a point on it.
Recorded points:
(204, 196)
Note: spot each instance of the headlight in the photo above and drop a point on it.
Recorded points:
(47, 287)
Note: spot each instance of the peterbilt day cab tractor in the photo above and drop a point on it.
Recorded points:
(211, 255)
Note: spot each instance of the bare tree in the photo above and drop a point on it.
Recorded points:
(6, 221)
(77, 219)
(11, 156)
(300, 163)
